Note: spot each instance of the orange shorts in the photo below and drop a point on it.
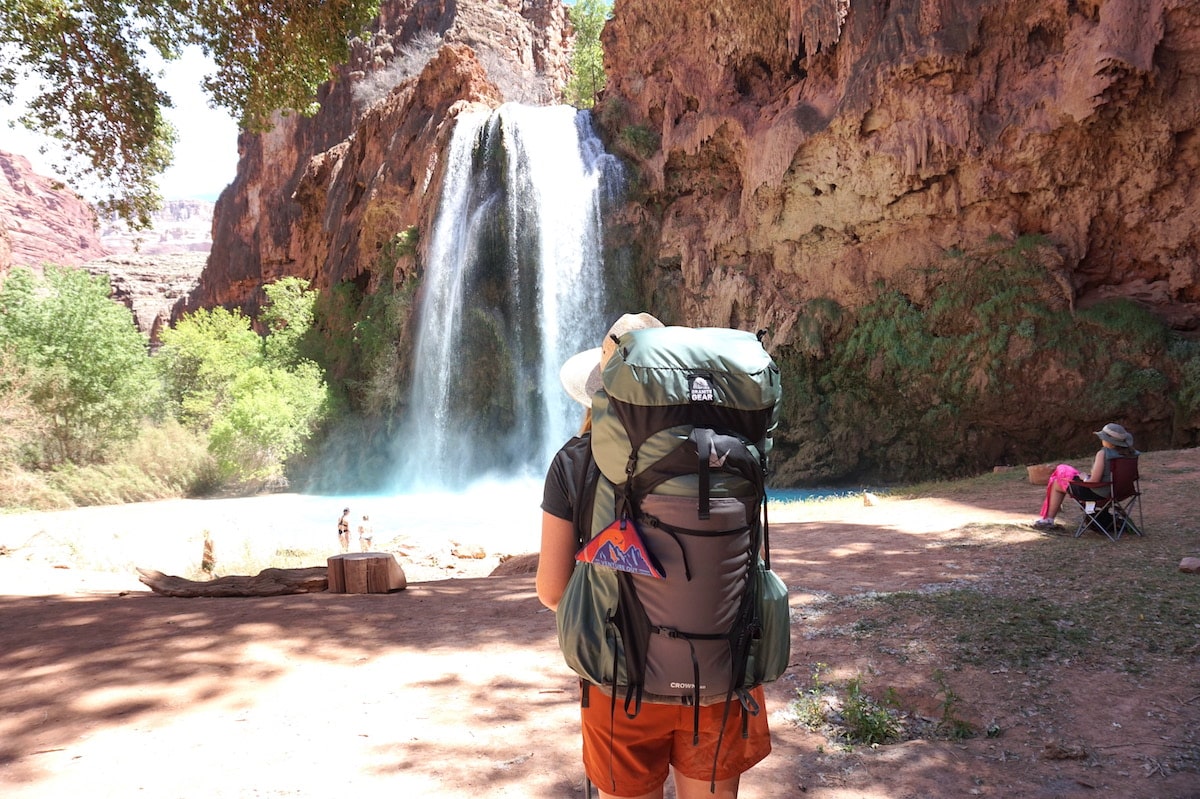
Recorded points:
(630, 757)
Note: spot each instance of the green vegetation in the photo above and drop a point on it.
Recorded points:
(361, 339)
(99, 100)
(1017, 631)
(848, 716)
(587, 53)
(639, 140)
(938, 357)
(92, 418)
(257, 398)
(77, 359)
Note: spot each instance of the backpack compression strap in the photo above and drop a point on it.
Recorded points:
(703, 437)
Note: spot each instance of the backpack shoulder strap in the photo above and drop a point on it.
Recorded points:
(586, 478)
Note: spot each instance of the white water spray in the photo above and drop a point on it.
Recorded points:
(514, 285)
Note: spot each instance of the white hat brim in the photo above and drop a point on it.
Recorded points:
(580, 376)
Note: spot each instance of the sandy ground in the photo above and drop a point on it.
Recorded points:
(455, 688)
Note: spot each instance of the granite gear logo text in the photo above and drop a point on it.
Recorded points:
(700, 388)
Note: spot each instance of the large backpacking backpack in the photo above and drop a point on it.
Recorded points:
(672, 598)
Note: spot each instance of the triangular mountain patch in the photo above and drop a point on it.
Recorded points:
(620, 546)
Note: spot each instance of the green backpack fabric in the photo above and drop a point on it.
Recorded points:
(680, 437)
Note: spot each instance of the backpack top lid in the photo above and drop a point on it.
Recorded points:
(676, 378)
(685, 365)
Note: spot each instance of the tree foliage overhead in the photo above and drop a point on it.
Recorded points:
(587, 53)
(96, 97)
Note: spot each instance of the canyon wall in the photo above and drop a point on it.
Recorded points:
(40, 221)
(322, 198)
(824, 151)
(813, 147)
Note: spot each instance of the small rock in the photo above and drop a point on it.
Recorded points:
(470, 553)
(1190, 565)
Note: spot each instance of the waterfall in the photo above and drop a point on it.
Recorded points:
(514, 284)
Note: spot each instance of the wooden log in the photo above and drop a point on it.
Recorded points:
(366, 573)
(268, 582)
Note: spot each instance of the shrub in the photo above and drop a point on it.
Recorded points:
(639, 140)
(409, 61)
(22, 490)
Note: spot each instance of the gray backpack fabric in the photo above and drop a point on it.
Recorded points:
(680, 436)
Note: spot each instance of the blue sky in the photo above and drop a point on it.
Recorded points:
(205, 155)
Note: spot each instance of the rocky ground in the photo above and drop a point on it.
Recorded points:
(454, 687)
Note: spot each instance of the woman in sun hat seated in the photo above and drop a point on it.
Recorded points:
(1116, 442)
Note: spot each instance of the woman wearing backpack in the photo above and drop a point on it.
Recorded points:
(632, 757)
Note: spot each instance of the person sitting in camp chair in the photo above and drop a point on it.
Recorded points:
(1116, 442)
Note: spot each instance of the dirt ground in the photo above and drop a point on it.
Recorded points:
(454, 687)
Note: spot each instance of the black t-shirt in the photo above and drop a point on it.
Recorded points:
(566, 477)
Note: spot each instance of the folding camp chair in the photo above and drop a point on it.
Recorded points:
(1111, 515)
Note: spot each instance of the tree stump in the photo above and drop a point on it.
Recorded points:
(365, 573)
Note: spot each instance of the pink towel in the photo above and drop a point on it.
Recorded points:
(1062, 474)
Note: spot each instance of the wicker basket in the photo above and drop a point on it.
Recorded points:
(1039, 475)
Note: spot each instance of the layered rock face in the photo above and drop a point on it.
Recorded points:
(150, 285)
(40, 221)
(322, 198)
(813, 147)
(817, 150)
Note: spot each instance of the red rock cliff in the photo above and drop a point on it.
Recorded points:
(320, 197)
(42, 222)
(812, 147)
(812, 151)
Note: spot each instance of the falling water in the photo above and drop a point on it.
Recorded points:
(514, 285)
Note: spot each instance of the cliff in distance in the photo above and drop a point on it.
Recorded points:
(180, 226)
(970, 229)
(40, 221)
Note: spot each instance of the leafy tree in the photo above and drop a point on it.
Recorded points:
(271, 413)
(79, 359)
(288, 315)
(201, 357)
(258, 400)
(98, 100)
(587, 54)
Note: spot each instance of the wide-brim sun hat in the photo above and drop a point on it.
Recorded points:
(580, 375)
(1116, 435)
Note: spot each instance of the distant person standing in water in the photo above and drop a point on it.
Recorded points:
(365, 534)
(343, 528)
